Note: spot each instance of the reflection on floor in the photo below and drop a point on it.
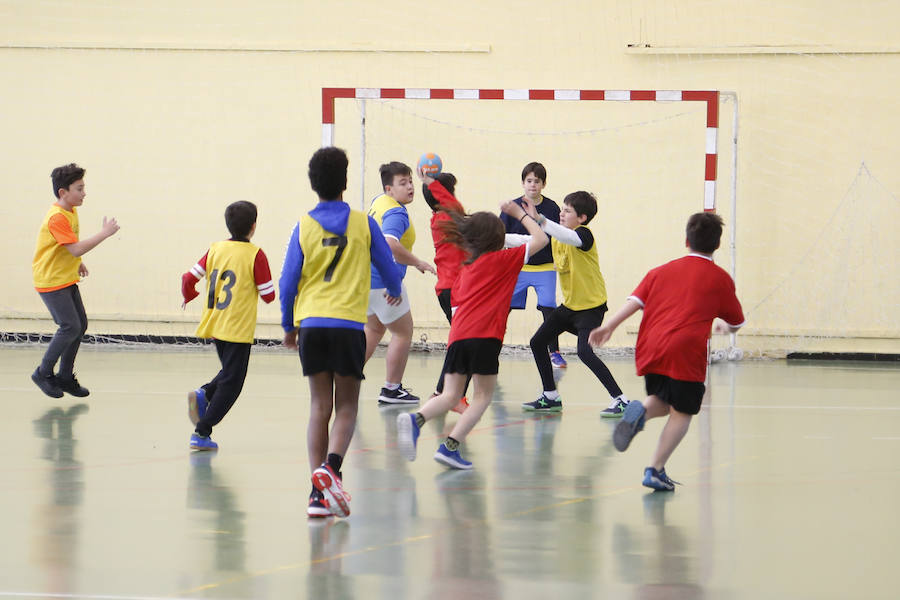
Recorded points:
(789, 475)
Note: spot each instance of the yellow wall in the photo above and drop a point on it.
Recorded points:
(178, 108)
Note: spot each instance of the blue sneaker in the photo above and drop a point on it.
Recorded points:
(199, 442)
(658, 480)
(451, 459)
(407, 435)
(197, 405)
(557, 360)
(632, 422)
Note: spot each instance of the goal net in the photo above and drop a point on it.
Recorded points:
(650, 157)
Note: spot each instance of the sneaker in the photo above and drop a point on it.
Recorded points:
(615, 409)
(658, 480)
(632, 422)
(198, 442)
(543, 404)
(398, 396)
(197, 405)
(329, 484)
(451, 459)
(47, 383)
(318, 506)
(558, 361)
(461, 406)
(407, 435)
(71, 386)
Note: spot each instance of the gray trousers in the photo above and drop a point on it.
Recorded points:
(67, 310)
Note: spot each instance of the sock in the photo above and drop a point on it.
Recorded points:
(451, 444)
(335, 461)
(391, 386)
(621, 398)
(554, 395)
(420, 420)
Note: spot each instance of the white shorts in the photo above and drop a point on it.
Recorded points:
(386, 313)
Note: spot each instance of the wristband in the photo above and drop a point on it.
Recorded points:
(523, 217)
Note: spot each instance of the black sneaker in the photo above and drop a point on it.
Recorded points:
(615, 409)
(48, 383)
(543, 404)
(398, 396)
(71, 386)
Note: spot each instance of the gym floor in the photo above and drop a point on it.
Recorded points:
(790, 484)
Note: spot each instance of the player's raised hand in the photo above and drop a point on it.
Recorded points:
(426, 179)
(512, 209)
(529, 208)
(109, 227)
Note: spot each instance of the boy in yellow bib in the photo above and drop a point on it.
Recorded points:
(324, 288)
(57, 268)
(583, 305)
(237, 273)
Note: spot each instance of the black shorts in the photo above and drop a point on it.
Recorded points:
(332, 349)
(473, 356)
(683, 396)
(565, 319)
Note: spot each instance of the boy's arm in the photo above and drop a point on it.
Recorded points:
(289, 281)
(384, 261)
(601, 335)
(189, 280)
(394, 225)
(82, 247)
(262, 276)
(560, 232)
(444, 198)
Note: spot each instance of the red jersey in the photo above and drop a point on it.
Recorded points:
(483, 292)
(448, 258)
(680, 299)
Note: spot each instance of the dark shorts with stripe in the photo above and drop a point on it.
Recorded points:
(473, 356)
(332, 349)
(683, 396)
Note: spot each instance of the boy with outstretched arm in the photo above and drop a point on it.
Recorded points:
(680, 300)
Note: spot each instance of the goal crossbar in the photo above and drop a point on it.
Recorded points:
(711, 98)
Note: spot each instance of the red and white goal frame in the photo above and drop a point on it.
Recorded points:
(711, 98)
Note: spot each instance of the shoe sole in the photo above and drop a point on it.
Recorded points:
(542, 410)
(629, 426)
(451, 463)
(203, 448)
(405, 442)
(657, 485)
(386, 400)
(193, 412)
(337, 503)
(318, 514)
(607, 415)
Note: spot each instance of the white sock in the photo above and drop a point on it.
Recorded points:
(551, 395)
(391, 386)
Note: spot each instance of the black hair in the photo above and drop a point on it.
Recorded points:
(448, 180)
(704, 232)
(583, 203)
(239, 218)
(64, 176)
(328, 172)
(538, 169)
(391, 169)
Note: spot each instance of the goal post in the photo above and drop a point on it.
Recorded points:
(686, 132)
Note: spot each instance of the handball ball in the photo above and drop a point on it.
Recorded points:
(430, 164)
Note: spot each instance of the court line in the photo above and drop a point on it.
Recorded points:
(4, 594)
